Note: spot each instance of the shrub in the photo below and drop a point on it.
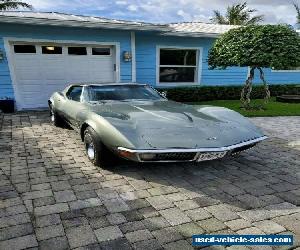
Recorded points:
(208, 93)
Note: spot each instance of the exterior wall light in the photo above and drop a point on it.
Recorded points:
(127, 56)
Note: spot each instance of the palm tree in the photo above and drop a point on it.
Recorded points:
(13, 4)
(298, 12)
(237, 14)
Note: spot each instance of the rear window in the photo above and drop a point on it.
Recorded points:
(24, 49)
(74, 93)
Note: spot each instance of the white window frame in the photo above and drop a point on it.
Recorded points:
(199, 53)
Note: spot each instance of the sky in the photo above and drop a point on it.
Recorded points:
(166, 11)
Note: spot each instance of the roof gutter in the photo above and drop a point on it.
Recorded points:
(78, 24)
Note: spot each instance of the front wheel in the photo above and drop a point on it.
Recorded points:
(97, 153)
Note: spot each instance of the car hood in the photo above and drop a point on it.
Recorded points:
(167, 124)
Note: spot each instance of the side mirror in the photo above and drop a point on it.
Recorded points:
(164, 94)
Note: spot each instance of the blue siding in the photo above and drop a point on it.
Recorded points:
(274, 77)
(58, 33)
(146, 62)
(146, 43)
(6, 89)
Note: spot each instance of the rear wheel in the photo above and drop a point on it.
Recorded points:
(97, 153)
(55, 118)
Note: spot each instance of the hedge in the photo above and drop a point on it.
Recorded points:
(208, 93)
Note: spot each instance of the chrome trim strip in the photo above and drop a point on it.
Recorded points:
(191, 150)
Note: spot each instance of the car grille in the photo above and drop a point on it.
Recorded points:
(187, 156)
(241, 149)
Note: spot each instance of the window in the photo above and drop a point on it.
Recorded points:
(178, 65)
(24, 49)
(74, 93)
(296, 69)
(101, 51)
(51, 50)
(80, 51)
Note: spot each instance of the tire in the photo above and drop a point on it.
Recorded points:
(56, 120)
(96, 152)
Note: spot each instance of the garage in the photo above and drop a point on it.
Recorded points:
(39, 69)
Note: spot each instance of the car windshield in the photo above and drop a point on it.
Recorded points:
(122, 93)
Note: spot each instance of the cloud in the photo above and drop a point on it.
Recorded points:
(121, 2)
(184, 15)
(132, 7)
(162, 11)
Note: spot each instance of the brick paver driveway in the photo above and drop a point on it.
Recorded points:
(53, 198)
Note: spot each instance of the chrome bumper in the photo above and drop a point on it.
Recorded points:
(201, 154)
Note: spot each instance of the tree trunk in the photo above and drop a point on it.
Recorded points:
(246, 91)
(266, 87)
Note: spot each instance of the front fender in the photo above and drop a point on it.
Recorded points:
(56, 101)
(109, 135)
(228, 115)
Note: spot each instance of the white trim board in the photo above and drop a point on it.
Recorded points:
(9, 40)
(177, 84)
(133, 60)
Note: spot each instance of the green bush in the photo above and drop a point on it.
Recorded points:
(209, 93)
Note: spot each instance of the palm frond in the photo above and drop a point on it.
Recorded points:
(13, 4)
(298, 12)
(239, 14)
(255, 20)
(218, 18)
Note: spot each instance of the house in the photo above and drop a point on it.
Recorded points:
(43, 52)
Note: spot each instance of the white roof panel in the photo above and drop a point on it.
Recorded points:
(199, 27)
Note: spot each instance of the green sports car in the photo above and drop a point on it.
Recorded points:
(135, 122)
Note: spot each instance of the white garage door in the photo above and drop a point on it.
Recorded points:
(40, 70)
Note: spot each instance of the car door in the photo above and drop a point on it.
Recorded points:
(73, 105)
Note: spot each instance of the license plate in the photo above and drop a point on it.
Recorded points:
(211, 156)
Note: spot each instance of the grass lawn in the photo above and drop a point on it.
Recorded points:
(273, 108)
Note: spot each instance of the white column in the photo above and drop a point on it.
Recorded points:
(133, 60)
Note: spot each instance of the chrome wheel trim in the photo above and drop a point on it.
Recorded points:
(52, 117)
(90, 149)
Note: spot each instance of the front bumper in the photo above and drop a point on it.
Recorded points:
(186, 154)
